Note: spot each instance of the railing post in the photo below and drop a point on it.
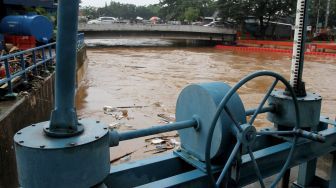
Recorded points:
(34, 62)
(64, 121)
(10, 93)
(23, 67)
(45, 62)
(50, 55)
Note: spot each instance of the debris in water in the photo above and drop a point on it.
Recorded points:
(157, 104)
(116, 125)
(157, 141)
(108, 109)
(173, 142)
(126, 158)
(166, 118)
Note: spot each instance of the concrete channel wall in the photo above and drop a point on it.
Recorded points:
(24, 111)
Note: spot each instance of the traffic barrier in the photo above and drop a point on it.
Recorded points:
(270, 50)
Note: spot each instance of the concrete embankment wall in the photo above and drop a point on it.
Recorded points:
(24, 111)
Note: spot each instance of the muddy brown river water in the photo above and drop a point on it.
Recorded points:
(153, 77)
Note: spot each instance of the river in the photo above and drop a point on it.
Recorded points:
(151, 75)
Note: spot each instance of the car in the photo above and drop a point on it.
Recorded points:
(219, 24)
(214, 24)
(103, 20)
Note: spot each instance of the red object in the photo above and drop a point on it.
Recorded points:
(22, 42)
(3, 71)
(270, 50)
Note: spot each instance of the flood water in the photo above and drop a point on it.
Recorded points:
(152, 78)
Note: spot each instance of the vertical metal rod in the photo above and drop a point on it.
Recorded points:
(64, 117)
(34, 62)
(23, 67)
(332, 181)
(43, 59)
(8, 75)
(299, 48)
(285, 179)
(50, 56)
(307, 173)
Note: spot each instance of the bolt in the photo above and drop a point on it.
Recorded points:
(43, 146)
(47, 128)
(327, 117)
(19, 133)
(79, 118)
(72, 144)
(33, 125)
(97, 121)
(96, 137)
(105, 128)
(21, 142)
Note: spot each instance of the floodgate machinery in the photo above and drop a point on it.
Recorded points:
(220, 145)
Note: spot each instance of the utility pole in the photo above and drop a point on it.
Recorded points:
(317, 29)
(327, 15)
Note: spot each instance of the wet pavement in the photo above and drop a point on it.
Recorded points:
(151, 78)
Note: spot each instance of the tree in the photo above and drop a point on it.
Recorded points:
(191, 14)
(89, 11)
(262, 10)
(119, 10)
(180, 9)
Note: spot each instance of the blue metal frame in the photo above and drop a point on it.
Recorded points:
(47, 60)
(24, 70)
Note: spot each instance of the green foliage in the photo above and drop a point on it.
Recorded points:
(42, 11)
(186, 9)
(189, 10)
(119, 10)
(191, 14)
(90, 12)
(263, 10)
(321, 6)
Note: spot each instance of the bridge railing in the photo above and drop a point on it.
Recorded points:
(33, 61)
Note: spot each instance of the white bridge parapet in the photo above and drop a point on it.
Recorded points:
(155, 27)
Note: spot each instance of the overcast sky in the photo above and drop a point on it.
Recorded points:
(100, 3)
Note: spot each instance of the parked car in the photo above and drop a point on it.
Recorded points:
(103, 20)
(219, 24)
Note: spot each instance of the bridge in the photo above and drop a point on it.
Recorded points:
(162, 31)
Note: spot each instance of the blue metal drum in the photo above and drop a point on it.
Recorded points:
(37, 26)
(200, 101)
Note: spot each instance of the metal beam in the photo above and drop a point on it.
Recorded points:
(306, 150)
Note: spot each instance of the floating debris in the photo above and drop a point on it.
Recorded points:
(135, 67)
(157, 104)
(157, 141)
(116, 125)
(173, 142)
(167, 118)
(108, 109)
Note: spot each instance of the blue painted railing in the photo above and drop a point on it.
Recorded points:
(16, 64)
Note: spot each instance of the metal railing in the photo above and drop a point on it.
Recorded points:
(80, 40)
(20, 64)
